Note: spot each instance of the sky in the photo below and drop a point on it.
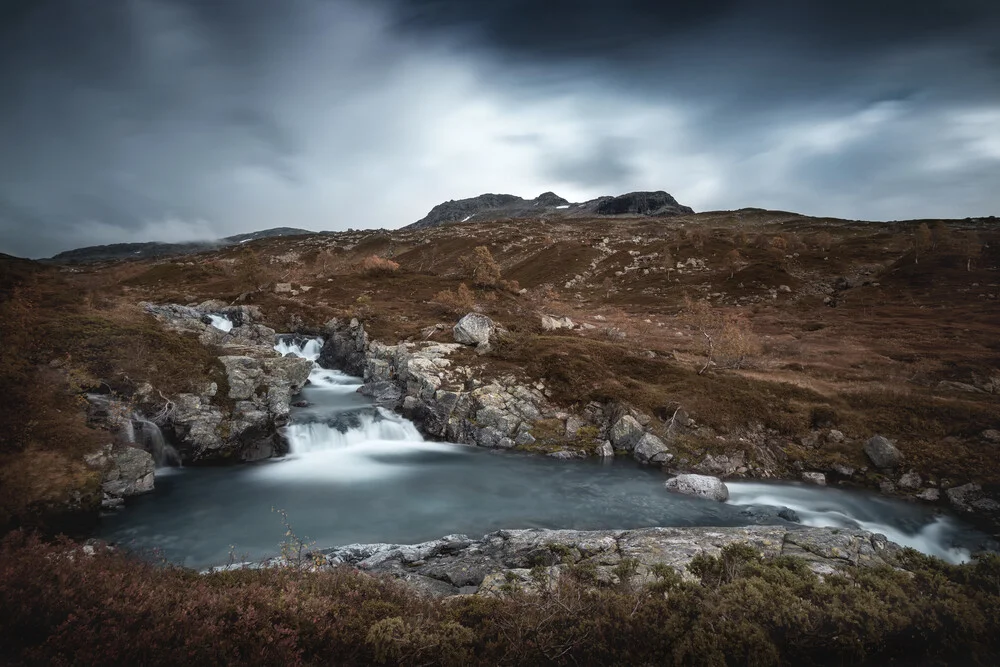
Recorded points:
(175, 120)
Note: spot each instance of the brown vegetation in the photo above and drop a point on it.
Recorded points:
(481, 267)
(374, 265)
(64, 606)
(456, 302)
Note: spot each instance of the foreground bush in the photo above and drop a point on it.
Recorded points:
(62, 606)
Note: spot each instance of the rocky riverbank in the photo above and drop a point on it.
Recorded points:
(457, 564)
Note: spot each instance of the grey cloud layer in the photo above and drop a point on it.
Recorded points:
(177, 119)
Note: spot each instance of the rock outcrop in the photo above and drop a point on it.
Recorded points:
(125, 471)
(242, 421)
(458, 564)
(258, 402)
(642, 203)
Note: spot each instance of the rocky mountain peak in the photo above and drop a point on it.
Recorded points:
(489, 207)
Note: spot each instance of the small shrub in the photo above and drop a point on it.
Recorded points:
(729, 336)
(481, 268)
(374, 265)
(457, 302)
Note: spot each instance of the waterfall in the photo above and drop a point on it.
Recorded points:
(307, 348)
(221, 322)
(164, 455)
(319, 436)
(336, 418)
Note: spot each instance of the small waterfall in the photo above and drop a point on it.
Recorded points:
(164, 455)
(378, 426)
(333, 422)
(307, 348)
(221, 322)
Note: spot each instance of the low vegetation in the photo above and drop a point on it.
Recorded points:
(374, 265)
(64, 605)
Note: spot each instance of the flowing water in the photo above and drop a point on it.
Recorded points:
(221, 322)
(358, 473)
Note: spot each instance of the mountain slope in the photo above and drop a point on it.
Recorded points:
(100, 253)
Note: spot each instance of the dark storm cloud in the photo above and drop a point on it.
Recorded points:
(180, 119)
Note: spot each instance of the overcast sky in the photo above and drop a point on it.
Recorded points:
(136, 120)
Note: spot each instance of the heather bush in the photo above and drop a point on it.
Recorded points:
(251, 272)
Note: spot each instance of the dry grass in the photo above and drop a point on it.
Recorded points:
(374, 265)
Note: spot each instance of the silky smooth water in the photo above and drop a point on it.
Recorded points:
(362, 474)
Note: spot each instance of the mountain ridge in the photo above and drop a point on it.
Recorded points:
(489, 206)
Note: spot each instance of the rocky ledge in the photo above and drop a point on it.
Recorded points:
(242, 419)
(457, 564)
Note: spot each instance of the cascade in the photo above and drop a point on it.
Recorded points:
(221, 322)
(336, 417)
(152, 440)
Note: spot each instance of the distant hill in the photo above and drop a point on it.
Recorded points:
(505, 207)
(116, 251)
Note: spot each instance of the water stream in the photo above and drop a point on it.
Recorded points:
(357, 473)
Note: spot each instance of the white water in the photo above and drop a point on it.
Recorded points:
(336, 418)
(221, 322)
(377, 427)
(834, 508)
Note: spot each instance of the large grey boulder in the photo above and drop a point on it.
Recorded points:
(971, 498)
(625, 433)
(651, 449)
(702, 486)
(125, 471)
(883, 453)
(474, 329)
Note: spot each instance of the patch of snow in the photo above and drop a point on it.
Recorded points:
(245, 240)
(467, 218)
(566, 206)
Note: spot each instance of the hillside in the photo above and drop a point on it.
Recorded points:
(127, 251)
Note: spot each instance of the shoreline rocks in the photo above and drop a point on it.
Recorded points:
(458, 564)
